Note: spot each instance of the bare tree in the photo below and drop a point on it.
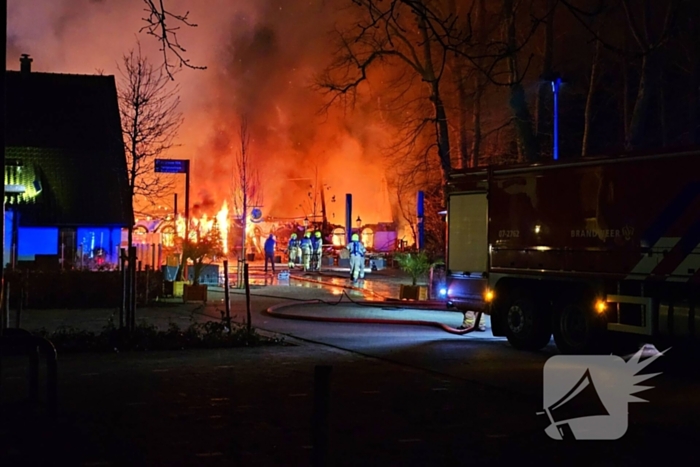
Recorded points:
(480, 31)
(649, 42)
(527, 141)
(588, 110)
(245, 183)
(544, 91)
(163, 24)
(150, 121)
(404, 34)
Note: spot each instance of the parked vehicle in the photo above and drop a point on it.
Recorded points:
(588, 251)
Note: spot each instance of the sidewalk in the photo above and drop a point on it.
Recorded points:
(329, 285)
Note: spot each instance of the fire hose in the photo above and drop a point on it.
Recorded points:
(275, 311)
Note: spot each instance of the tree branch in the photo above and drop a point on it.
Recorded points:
(158, 24)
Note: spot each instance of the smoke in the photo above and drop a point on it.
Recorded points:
(261, 58)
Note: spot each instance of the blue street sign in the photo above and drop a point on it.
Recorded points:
(173, 166)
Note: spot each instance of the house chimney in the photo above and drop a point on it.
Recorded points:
(25, 63)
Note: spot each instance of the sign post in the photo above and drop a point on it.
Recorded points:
(178, 166)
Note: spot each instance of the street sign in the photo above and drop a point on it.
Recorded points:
(173, 166)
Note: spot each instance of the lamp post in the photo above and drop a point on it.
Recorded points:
(358, 221)
(556, 84)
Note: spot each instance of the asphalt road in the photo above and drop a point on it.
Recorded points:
(491, 362)
(399, 395)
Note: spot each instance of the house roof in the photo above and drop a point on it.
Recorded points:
(65, 130)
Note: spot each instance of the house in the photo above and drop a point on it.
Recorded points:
(66, 188)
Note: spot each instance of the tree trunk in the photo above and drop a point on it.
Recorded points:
(625, 98)
(442, 127)
(589, 99)
(527, 141)
(443, 135)
(462, 119)
(545, 90)
(479, 84)
(640, 112)
(462, 98)
(662, 108)
(694, 59)
(476, 121)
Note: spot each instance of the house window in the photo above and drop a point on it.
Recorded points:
(98, 246)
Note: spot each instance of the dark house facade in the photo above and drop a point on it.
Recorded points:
(66, 188)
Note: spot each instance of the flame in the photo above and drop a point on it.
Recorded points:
(222, 219)
(202, 226)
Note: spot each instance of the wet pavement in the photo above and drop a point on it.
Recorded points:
(383, 284)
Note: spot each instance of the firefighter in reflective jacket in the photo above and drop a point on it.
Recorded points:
(293, 250)
(306, 249)
(316, 251)
(470, 320)
(357, 258)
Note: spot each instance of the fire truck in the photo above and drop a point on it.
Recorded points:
(590, 252)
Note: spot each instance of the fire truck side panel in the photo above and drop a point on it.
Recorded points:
(467, 247)
(601, 219)
(586, 248)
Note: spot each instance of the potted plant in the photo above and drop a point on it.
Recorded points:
(201, 251)
(417, 265)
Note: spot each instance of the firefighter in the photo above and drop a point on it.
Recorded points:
(270, 247)
(317, 250)
(470, 319)
(293, 250)
(357, 258)
(306, 249)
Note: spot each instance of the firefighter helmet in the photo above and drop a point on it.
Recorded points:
(355, 238)
(294, 236)
(318, 234)
(307, 235)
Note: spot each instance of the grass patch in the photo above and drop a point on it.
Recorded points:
(207, 335)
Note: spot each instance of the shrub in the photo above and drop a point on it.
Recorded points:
(415, 264)
(146, 336)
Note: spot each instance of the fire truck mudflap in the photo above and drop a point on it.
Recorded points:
(589, 252)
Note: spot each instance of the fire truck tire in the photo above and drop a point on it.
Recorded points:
(527, 325)
(576, 329)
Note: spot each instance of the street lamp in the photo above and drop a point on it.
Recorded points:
(306, 222)
(555, 80)
(358, 221)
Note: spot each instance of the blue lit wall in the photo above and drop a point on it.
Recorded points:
(8, 237)
(36, 241)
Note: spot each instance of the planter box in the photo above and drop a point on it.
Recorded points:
(413, 292)
(194, 293)
(178, 287)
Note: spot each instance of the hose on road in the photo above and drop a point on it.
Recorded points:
(275, 311)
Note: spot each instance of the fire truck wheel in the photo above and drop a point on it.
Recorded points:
(528, 327)
(576, 330)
